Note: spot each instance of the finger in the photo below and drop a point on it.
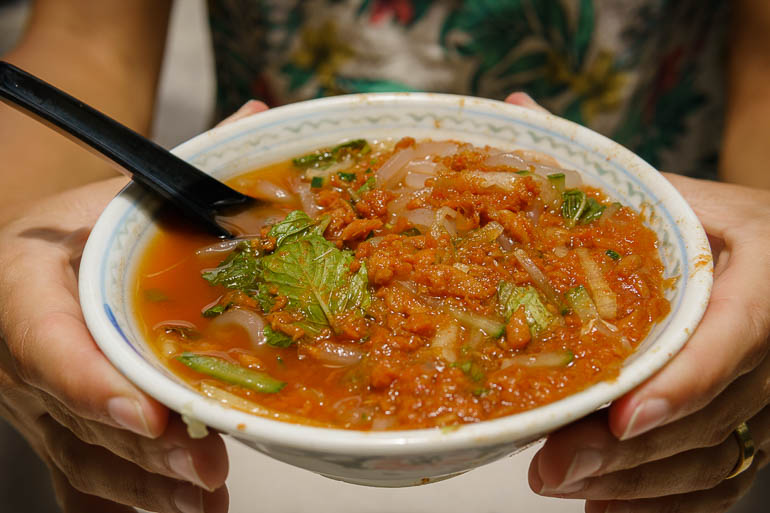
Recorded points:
(699, 469)
(730, 341)
(202, 462)
(588, 448)
(52, 349)
(72, 501)
(715, 500)
(524, 100)
(249, 108)
(93, 470)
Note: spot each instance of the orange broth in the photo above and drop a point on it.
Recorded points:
(426, 350)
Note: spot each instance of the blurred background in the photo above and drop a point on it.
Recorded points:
(184, 109)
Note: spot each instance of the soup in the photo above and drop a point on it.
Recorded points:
(404, 284)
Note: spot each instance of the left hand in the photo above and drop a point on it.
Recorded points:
(668, 445)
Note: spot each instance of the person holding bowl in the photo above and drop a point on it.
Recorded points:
(671, 443)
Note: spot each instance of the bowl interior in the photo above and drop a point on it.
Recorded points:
(120, 236)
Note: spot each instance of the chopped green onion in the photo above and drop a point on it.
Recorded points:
(592, 212)
(347, 177)
(582, 304)
(317, 182)
(324, 158)
(231, 373)
(155, 295)
(367, 186)
(613, 254)
(523, 172)
(573, 206)
(411, 232)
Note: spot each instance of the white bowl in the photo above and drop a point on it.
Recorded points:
(394, 458)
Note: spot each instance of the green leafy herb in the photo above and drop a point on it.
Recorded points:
(215, 310)
(317, 182)
(231, 373)
(325, 158)
(347, 177)
(510, 298)
(276, 338)
(368, 185)
(296, 225)
(523, 172)
(240, 270)
(613, 254)
(315, 277)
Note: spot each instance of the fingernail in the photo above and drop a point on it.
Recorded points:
(181, 463)
(646, 417)
(188, 499)
(585, 464)
(564, 488)
(128, 414)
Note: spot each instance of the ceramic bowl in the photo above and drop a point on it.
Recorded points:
(394, 458)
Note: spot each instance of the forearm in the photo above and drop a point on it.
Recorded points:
(745, 156)
(105, 53)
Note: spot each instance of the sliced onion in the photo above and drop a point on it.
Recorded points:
(427, 167)
(217, 248)
(500, 179)
(269, 191)
(420, 217)
(441, 221)
(609, 212)
(332, 354)
(554, 359)
(250, 321)
(175, 324)
(605, 299)
(394, 169)
(306, 196)
(445, 341)
(381, 422)
(506, 242)
(537, 276)
(560, 251)
(533, 213)
(434, 149)
(415, 180)
(507, 160)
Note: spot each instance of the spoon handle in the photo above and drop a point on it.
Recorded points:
(195, 192)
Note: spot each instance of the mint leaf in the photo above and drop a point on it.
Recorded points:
(297, 224)
(510, 298)
(276, 338)
(315, 277)
(240, 270)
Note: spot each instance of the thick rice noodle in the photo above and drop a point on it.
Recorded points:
(268, 191)
(306, 196)
(397, 166)
(420, 217)
(332, 354)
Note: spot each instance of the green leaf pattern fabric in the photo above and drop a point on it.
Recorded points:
(647, 73)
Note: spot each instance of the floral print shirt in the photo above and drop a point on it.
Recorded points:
(647, 73)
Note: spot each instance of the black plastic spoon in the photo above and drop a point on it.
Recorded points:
(198, 195)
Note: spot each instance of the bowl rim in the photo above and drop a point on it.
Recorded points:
(528, 424)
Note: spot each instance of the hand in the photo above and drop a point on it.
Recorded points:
(108, 445)
(668, 444)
